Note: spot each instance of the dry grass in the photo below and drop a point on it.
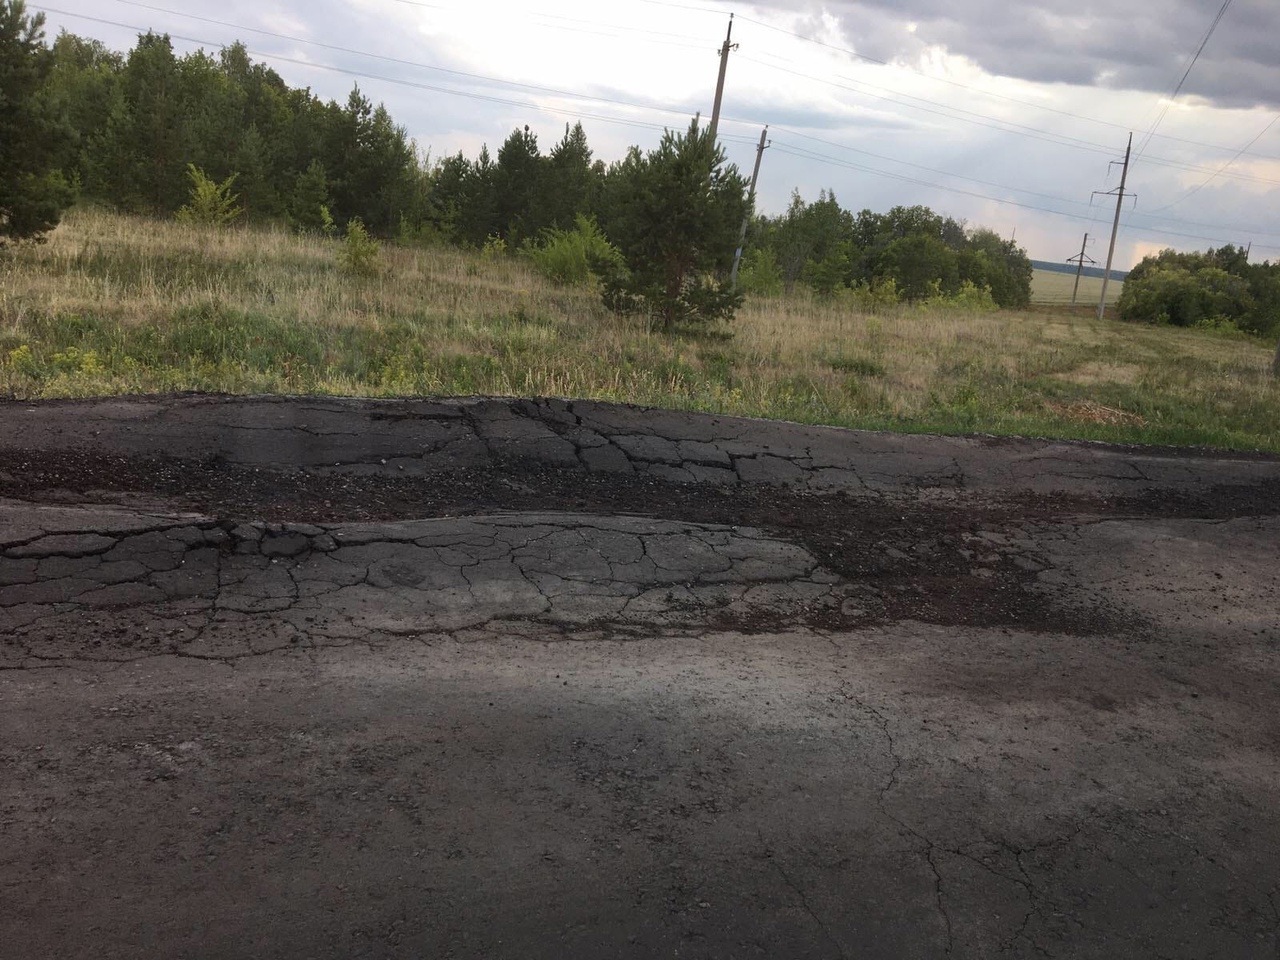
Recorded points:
(122, 305)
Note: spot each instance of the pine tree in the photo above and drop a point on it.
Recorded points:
(675, 217)
(33, 193)
(520, 182)
(571, 180)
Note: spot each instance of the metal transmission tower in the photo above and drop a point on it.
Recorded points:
(751, 205)
(1079, 259)
(724, 63)
(1115, 226)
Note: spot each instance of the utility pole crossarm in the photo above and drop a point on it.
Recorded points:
(1079, 259)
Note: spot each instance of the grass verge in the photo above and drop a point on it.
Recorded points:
(120, 305)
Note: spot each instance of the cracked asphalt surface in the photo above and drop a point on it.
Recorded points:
(497, 678)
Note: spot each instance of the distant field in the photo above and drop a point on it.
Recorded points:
(118, 305)
(1055, 288)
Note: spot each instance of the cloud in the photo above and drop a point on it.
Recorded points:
(884, 136)
(1090, 43)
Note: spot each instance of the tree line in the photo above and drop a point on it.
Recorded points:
(1217, 288)
(659, 226)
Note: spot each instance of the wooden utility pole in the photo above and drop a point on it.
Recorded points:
(1115, 227)
(724, 63)
(751, 205)
(1080, 258)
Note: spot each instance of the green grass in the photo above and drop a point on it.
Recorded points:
(116, 305)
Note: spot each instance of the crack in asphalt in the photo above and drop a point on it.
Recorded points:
(800, 895)
(448, 434)
(221, 593)
(890, 782)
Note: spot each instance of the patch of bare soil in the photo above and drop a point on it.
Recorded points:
(919, 558)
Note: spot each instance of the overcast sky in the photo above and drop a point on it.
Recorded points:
(1002, 114)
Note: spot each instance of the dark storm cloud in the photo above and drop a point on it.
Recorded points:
(1136, 46)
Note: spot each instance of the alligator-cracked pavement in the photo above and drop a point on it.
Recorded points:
(322, 678)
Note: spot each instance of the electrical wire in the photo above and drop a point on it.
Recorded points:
(969, 88)
(790, 149)
(804, 153)
(979, 119)
(536, 88)
(1222, 11)
(400, 81)
(1213, 176)
(982, 120)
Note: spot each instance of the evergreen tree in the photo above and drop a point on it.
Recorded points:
(519, 180)
(676, 220)
(309, 198)
(33, 193)
(252, 165)
(571, 181)
(478, 217)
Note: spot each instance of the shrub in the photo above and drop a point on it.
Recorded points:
(212, 204)
(828, 275)
(970, 298)
(360, 252)
(574, 256)
(1184, 297)
(760, 275)
(73, 360)
(880, 294)
(327, 227)
(24, 361)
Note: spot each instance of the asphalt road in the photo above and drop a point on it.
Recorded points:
(319, 678)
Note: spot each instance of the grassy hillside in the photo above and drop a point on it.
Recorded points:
(1053, 288)
(121, 305)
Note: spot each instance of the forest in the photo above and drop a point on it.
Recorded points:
(129, 128)
(130, 131)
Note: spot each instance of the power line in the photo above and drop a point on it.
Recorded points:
(804, 153)
(1004, 186)
(969, 87)
(982, 120)
(358, 53)
(1186, 73)
(874, 60)
(679, 41)
(794, 150)
(1213, 176)
(365, 75)
(979, 119)
(945, 173)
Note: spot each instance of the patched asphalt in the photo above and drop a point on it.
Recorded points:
(515, 678)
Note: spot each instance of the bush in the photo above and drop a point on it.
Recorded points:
(24, 361)
(575, 256)
(880, 294)
(760, 275)
(360, 252)
(828, 275)
(1184, 297)
(970, 298)
(212, 204)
